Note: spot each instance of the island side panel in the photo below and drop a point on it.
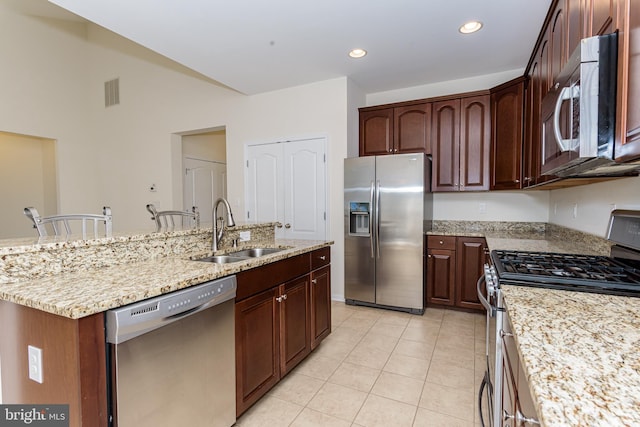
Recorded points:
(73, 370)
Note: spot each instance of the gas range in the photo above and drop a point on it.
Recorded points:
(575, 272)
(617, 274)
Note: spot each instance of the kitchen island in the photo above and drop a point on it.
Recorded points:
(54, 292)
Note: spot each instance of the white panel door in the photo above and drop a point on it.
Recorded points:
(305, 182)
(264, 181)
(205, 182)
(286, 183)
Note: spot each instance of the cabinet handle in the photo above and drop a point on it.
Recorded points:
(322, 257)
(314, 281)
(527, 179)
(505, 334)
(284, 296)
(429, 256)
(517, 181)
(279, 299)
(441, 242)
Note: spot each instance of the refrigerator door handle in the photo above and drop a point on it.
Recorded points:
(378, 218)
(371, 219)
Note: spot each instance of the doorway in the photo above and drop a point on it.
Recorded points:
(29, 178)
(204, 171)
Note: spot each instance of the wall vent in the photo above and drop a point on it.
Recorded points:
(112, 92)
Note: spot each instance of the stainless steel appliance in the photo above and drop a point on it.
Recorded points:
(618, 274)
(172, 358)
(388, 206)
(579, 114)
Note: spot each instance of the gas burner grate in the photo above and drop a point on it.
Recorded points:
(566, 270)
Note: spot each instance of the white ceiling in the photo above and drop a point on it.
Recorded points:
(255, 46)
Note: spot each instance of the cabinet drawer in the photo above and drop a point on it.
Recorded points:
(320, 257)
(441, 242)
(251, 282)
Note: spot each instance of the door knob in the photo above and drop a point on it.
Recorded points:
(287, 225)
(279, 224)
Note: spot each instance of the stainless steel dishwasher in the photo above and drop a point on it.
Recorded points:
(172, 358)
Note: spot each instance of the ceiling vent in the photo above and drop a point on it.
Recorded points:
(112, 92)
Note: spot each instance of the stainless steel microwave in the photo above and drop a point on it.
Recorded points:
(579, 114)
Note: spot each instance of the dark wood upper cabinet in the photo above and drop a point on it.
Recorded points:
(506, 141)
(445, 145)
(395, 130)
(628, 114)
(460, 139)
(558, 39)
(575, 24)
(412, 129)
(601, 16)
(475, 143)
(376, 132)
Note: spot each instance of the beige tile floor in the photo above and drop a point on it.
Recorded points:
(383, 368)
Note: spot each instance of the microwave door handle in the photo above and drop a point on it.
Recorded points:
(565, 93)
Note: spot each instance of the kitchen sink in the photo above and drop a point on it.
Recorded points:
(223, 259)
(255, 252)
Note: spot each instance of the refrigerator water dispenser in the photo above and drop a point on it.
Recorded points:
(359, 219)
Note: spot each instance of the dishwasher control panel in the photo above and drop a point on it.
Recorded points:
(138, 318)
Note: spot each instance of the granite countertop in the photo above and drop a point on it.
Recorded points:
(581, 354)
(93, 290)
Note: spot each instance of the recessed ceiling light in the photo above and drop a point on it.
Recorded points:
(470, 27)
(357, 53)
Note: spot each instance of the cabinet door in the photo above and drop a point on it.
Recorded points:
(506, 141)
(628, 144)
(412, 129)
(295, 332)
(320, 305)
(441, 276)
(576, 21)
(531, 144)
(470, 258)
(257, 348)
(445, 145)
(558, 39)
(376, 132)
(601, 16)
(475, 143)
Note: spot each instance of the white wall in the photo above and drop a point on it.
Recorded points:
(44, 81)
(210, 146)
(593, 204)
(513, 206)
(443, 88)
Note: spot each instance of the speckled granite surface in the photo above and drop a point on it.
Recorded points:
(526, 236)
(581, 353)
(76, 278)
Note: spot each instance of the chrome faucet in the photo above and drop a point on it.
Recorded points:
(217, 234)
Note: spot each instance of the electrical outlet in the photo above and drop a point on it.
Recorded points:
(35, 363)
(482, 207)
(245, 236)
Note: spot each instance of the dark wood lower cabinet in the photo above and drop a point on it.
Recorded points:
(321, 305)
(454, 265)
(278, 324)
(257, 347)
(295, 323)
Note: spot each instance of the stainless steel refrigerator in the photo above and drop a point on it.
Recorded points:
(388, 206)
